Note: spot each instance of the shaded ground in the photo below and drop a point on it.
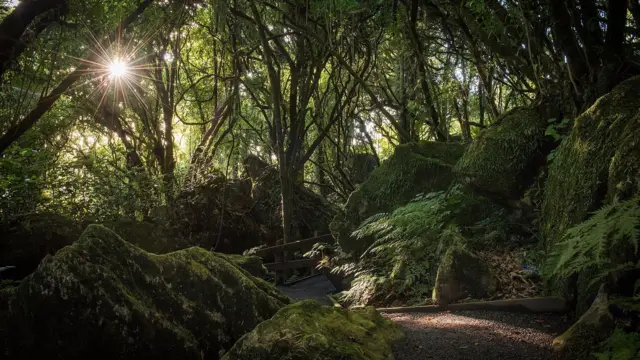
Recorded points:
(460, 335)
(478, 335)
(315, 288)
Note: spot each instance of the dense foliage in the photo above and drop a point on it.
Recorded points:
(408, 129)
(607, 243)
(408, 244)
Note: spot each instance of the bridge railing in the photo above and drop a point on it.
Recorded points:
(283, 263)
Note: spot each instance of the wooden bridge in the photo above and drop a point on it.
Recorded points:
(282, 254)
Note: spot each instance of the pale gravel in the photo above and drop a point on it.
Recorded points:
(478, 335)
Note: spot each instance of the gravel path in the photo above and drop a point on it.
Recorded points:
(477, 335)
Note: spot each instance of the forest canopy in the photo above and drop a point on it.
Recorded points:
(140, 99)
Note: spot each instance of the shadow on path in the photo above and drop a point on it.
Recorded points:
(478, 335)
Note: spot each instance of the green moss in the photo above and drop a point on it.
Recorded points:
(624, 170)
(598, 161)
(309, 331)
(501, 159)
(462, 274)
(620, 345)
(252, 264)
(413, 169)
(104, 298)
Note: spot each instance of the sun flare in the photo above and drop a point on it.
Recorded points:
(118, 68)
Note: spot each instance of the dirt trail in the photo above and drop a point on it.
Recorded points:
(478, 335)
(460, 335)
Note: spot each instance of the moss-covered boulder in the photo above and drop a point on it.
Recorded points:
(504, 158)
(412, 169)
(216, 214)
(462, 274)
(251, 263)
(25, 241)
(310, 331)
(593, 327)
(311, 214)
(596, 164)
(103, 298)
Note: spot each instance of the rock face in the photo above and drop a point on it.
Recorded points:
(413, 169)
(103, 298)
(251, 264)
(503, 159)
(25, 241)
(596, 165)
(462, 274)
(307, 330)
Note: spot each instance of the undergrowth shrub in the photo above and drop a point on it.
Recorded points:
(402, 262)
(605, 245)
(620, 346)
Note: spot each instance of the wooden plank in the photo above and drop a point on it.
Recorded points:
(533, 305)
(295, 245)
(295, 264)
(289, 283)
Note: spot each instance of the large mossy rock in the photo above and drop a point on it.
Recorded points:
(103, 298)
(311, 214)
(462, 274)
(252, 264)
(217, 215)
(25, 241)
(597, 163)
(412, 169)
(504, 158)
(310, 331)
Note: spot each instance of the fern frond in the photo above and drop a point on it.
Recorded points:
(607, 242)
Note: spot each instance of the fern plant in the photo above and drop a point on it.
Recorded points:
(402, 261)
(620, 346)
(606, 243)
